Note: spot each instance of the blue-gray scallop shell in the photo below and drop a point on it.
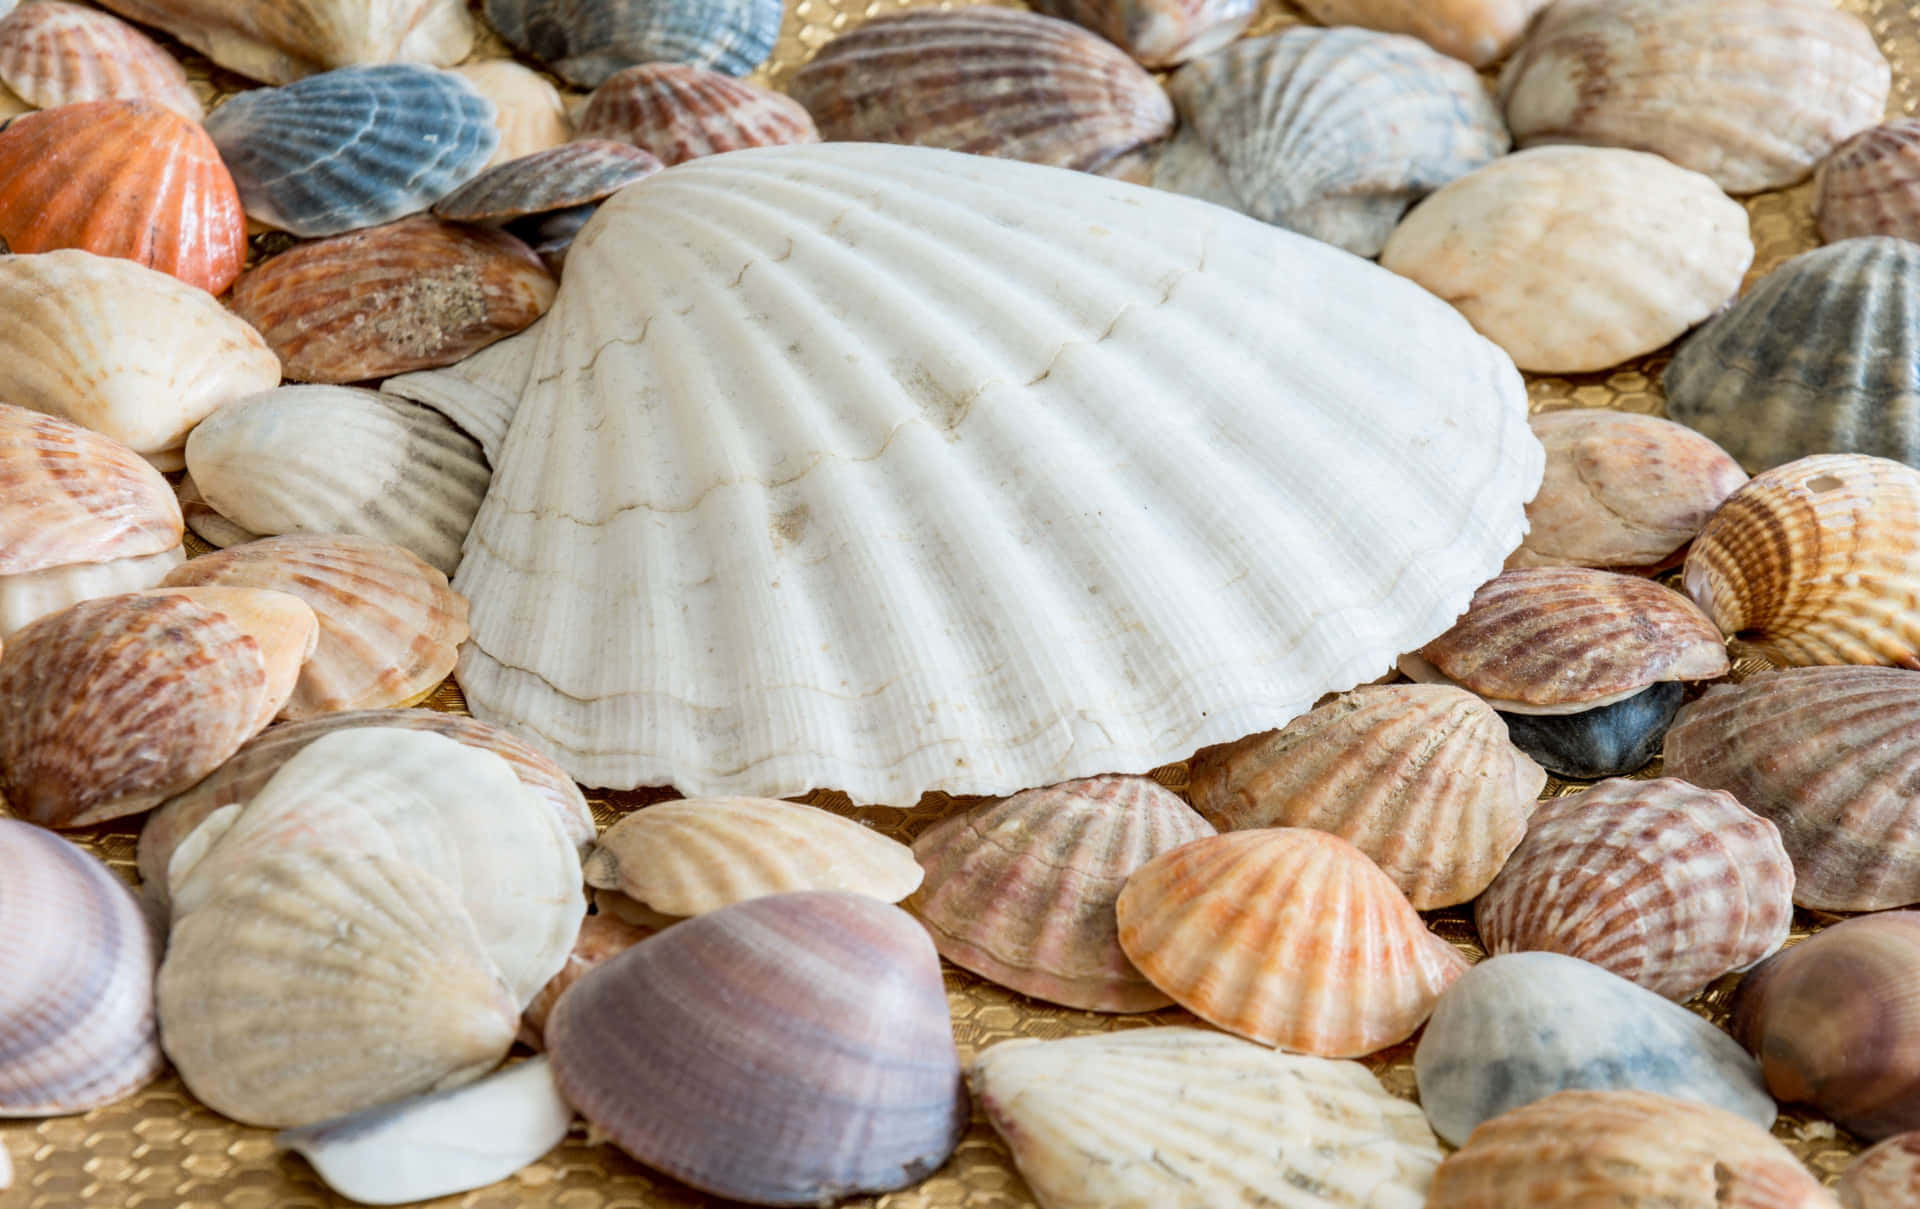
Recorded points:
(355, 147)
(588, 40)
(1822, 356)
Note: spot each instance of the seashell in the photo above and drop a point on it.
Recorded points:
(527, 110)
(1420, 777)
(324, 459)
(1660, 882)
(789, 1050)
(288, 39)
(1885, 1177)
(205, 521)
(988, 81)
(344, 150)
(692, 857)
(1826, 754)
(1870, 185)
(115, 704)
(76, 980)
(11, 105)
(1633, 250)
(1814, 562)
(585, 41)
(1834, 1025)
(1607, 741)
(1158, 33)
(575, 174)
(1518, 1028)
(1769, 401)
(1035, 679)
(601, 936)
(441, 1144)
(1087, 1121)
(635, 914)
(1022, 891)
(1589, 1148)
(479, 394)
(1479, 31)
(242, 777)
(73, 496)
(416, 294)
(127, 179)
(389, 624)
(1331, 133)
(680, 113)
(53, 53)
(26, 598)
(1753, 93)
(123, 350)
(1622, 490)
(550, 235)
(1290, 937)
(314, 984)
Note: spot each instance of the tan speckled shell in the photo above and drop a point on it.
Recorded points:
(1885, 1177)
(1870, 185)
(1289, 937)
(1420, 777)
(283, 40)
(1478, 31)
(1817, 561)
(54, 53)
(680, 112)
(1158, 33)
(528, 111)
(74, 496)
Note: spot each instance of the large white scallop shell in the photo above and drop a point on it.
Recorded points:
(869, 466)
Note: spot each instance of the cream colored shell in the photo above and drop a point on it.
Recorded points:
(1478, 31)
(26, 598)
(528, 111)
(286, 39)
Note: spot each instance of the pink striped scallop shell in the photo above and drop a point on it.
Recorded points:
(680, 112)
(53, 53)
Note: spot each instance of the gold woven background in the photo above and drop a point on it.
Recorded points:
(162, 1150)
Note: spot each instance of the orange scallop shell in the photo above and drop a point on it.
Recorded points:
(680, 112)
(74, 496)
(129, 179)
(53, 53)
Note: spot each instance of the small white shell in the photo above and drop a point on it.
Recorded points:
(29, 597)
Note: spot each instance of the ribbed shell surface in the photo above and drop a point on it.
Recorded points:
(681, 113)
(1182, 1118)
(988, 81)
(790, 1050)
(77, 957)
(479, 394)
(355, 147)
(1420, 777)
(1753, 93)
(1885, 1177)
(727, 445)
(287, 39)
(1329, 132)
(1870, 185)
(1832, 757)
(585, 41)
(1158, 33)
(1848, 381)
(53, 53)
(1478, 31)
(1022, 891)
(1289, 937)
(74, 496)
(573, 174)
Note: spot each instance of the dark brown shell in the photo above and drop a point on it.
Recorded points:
(1158, 33)
(572, 174)
(680, 112)
(74, 496)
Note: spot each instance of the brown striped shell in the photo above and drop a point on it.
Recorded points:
(1478, 31)
(74, 496)
(574, 174)
(989, 81)
(1420, 777)
(1021, 891)
(389, 624)
(528, 111)
(414, 294)
(680, 112)
(1885, 1177)
(1288, 937)
(53, 53)
(1660, 882)
(1817, 561)
(1870, 185)
(1158, 33)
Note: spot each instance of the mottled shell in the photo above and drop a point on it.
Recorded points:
(699, 855)
(114, 704)
(1870, 185)
(585, 41)
(1835, 1022)
(1632, 250)
(989, 81)
(314, 984)
(790, 1050)
(123, 350)
(1420, 777)
(1832, 757)
(1561, 639)
(1181, 1118)
(389, 624)
(680, 113)
(1817, 561)
(1584, 1149)
(77, 958)
(1022, 891)
(1885, 1177)
(1331, 133)
(1290, 937)
(1847, 382)
(415, 294)
(1753, 93)
(127, 179)
(53, 53)
(1622, 490)
(1663, 883)
(68, 495)
(527, 110)
(601, 936)
(1478, 31)
(576, 174)
(287, 39)
(28, 597)
(1158, 33)
(322, 459)
(353, 148)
